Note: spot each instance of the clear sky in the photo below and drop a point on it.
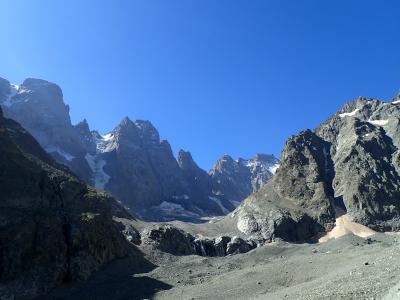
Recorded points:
(214, 76)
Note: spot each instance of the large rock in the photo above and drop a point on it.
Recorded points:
(169, 239)
(238, 245)
(296, 204)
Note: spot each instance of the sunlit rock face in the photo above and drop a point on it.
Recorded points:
(350, 162)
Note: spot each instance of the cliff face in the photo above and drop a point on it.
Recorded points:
(235, 180)
(53, 228)
(350, 163)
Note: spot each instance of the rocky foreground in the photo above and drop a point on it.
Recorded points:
(346, 268)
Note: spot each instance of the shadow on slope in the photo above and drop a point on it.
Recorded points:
(121, 279)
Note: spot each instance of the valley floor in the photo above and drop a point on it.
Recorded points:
(349, 267)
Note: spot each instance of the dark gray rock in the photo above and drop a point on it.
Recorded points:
(169, 239)
(53, 228)
(238, 245)
(365, 162)
(296, 204)
(221, 245)
(350, 163)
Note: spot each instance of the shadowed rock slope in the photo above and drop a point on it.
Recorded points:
(53, 228)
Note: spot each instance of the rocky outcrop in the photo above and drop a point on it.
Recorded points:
(175, 241)
(296, 204)
(348, 163)
(364, 153)
(53, 228)
(169, 239)
(223, 245)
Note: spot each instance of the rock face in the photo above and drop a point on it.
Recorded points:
(175, 241)
(169, 239)
(235, 180)
(351, 163)
(53, 228)
(38, 105)
(131, 161)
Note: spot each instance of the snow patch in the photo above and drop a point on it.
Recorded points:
(107, 137)
(97, 164)
(218, 201)
(378, 122)
(104, 142)
(350, 114)
(56, 149)
(253, 164)
(273, 168)
(395, 102)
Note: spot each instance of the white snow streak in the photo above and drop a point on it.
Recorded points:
(350, 114)
(273, 168)
(56, 149)
(103, 144)
(97, 164)
(378, 122)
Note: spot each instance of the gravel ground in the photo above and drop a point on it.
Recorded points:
(349, 267)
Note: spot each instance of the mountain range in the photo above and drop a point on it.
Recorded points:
(76, 205)
(132, 162)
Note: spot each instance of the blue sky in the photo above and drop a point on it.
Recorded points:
(214, 76)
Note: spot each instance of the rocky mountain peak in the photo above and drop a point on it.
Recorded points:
(83, 127)
(147, 130)
(348, 165)
(139, 130)
(225, 164)
(185, 160)
(35, 83)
